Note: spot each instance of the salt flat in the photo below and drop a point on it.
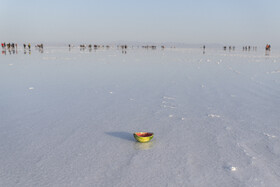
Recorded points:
(67, 118)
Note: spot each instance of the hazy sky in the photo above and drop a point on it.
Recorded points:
(190, 21)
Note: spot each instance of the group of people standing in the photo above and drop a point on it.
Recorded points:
(12, 48)
(267, 47)
(29, 46)
(8, 45)
(229, 48)
(248, 48)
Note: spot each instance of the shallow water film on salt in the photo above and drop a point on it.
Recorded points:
(67, 117)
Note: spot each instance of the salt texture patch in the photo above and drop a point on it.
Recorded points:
(269, 135)
(214, 115)
(276, 71)
(232, 168)
(166, 106)
(168, 98)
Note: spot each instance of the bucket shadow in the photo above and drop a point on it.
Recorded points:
(122, 135)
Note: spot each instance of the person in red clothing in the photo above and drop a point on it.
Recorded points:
(267, 47)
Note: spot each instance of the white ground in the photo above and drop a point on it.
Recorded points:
(67, 118)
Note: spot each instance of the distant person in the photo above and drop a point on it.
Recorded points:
(29, 46)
